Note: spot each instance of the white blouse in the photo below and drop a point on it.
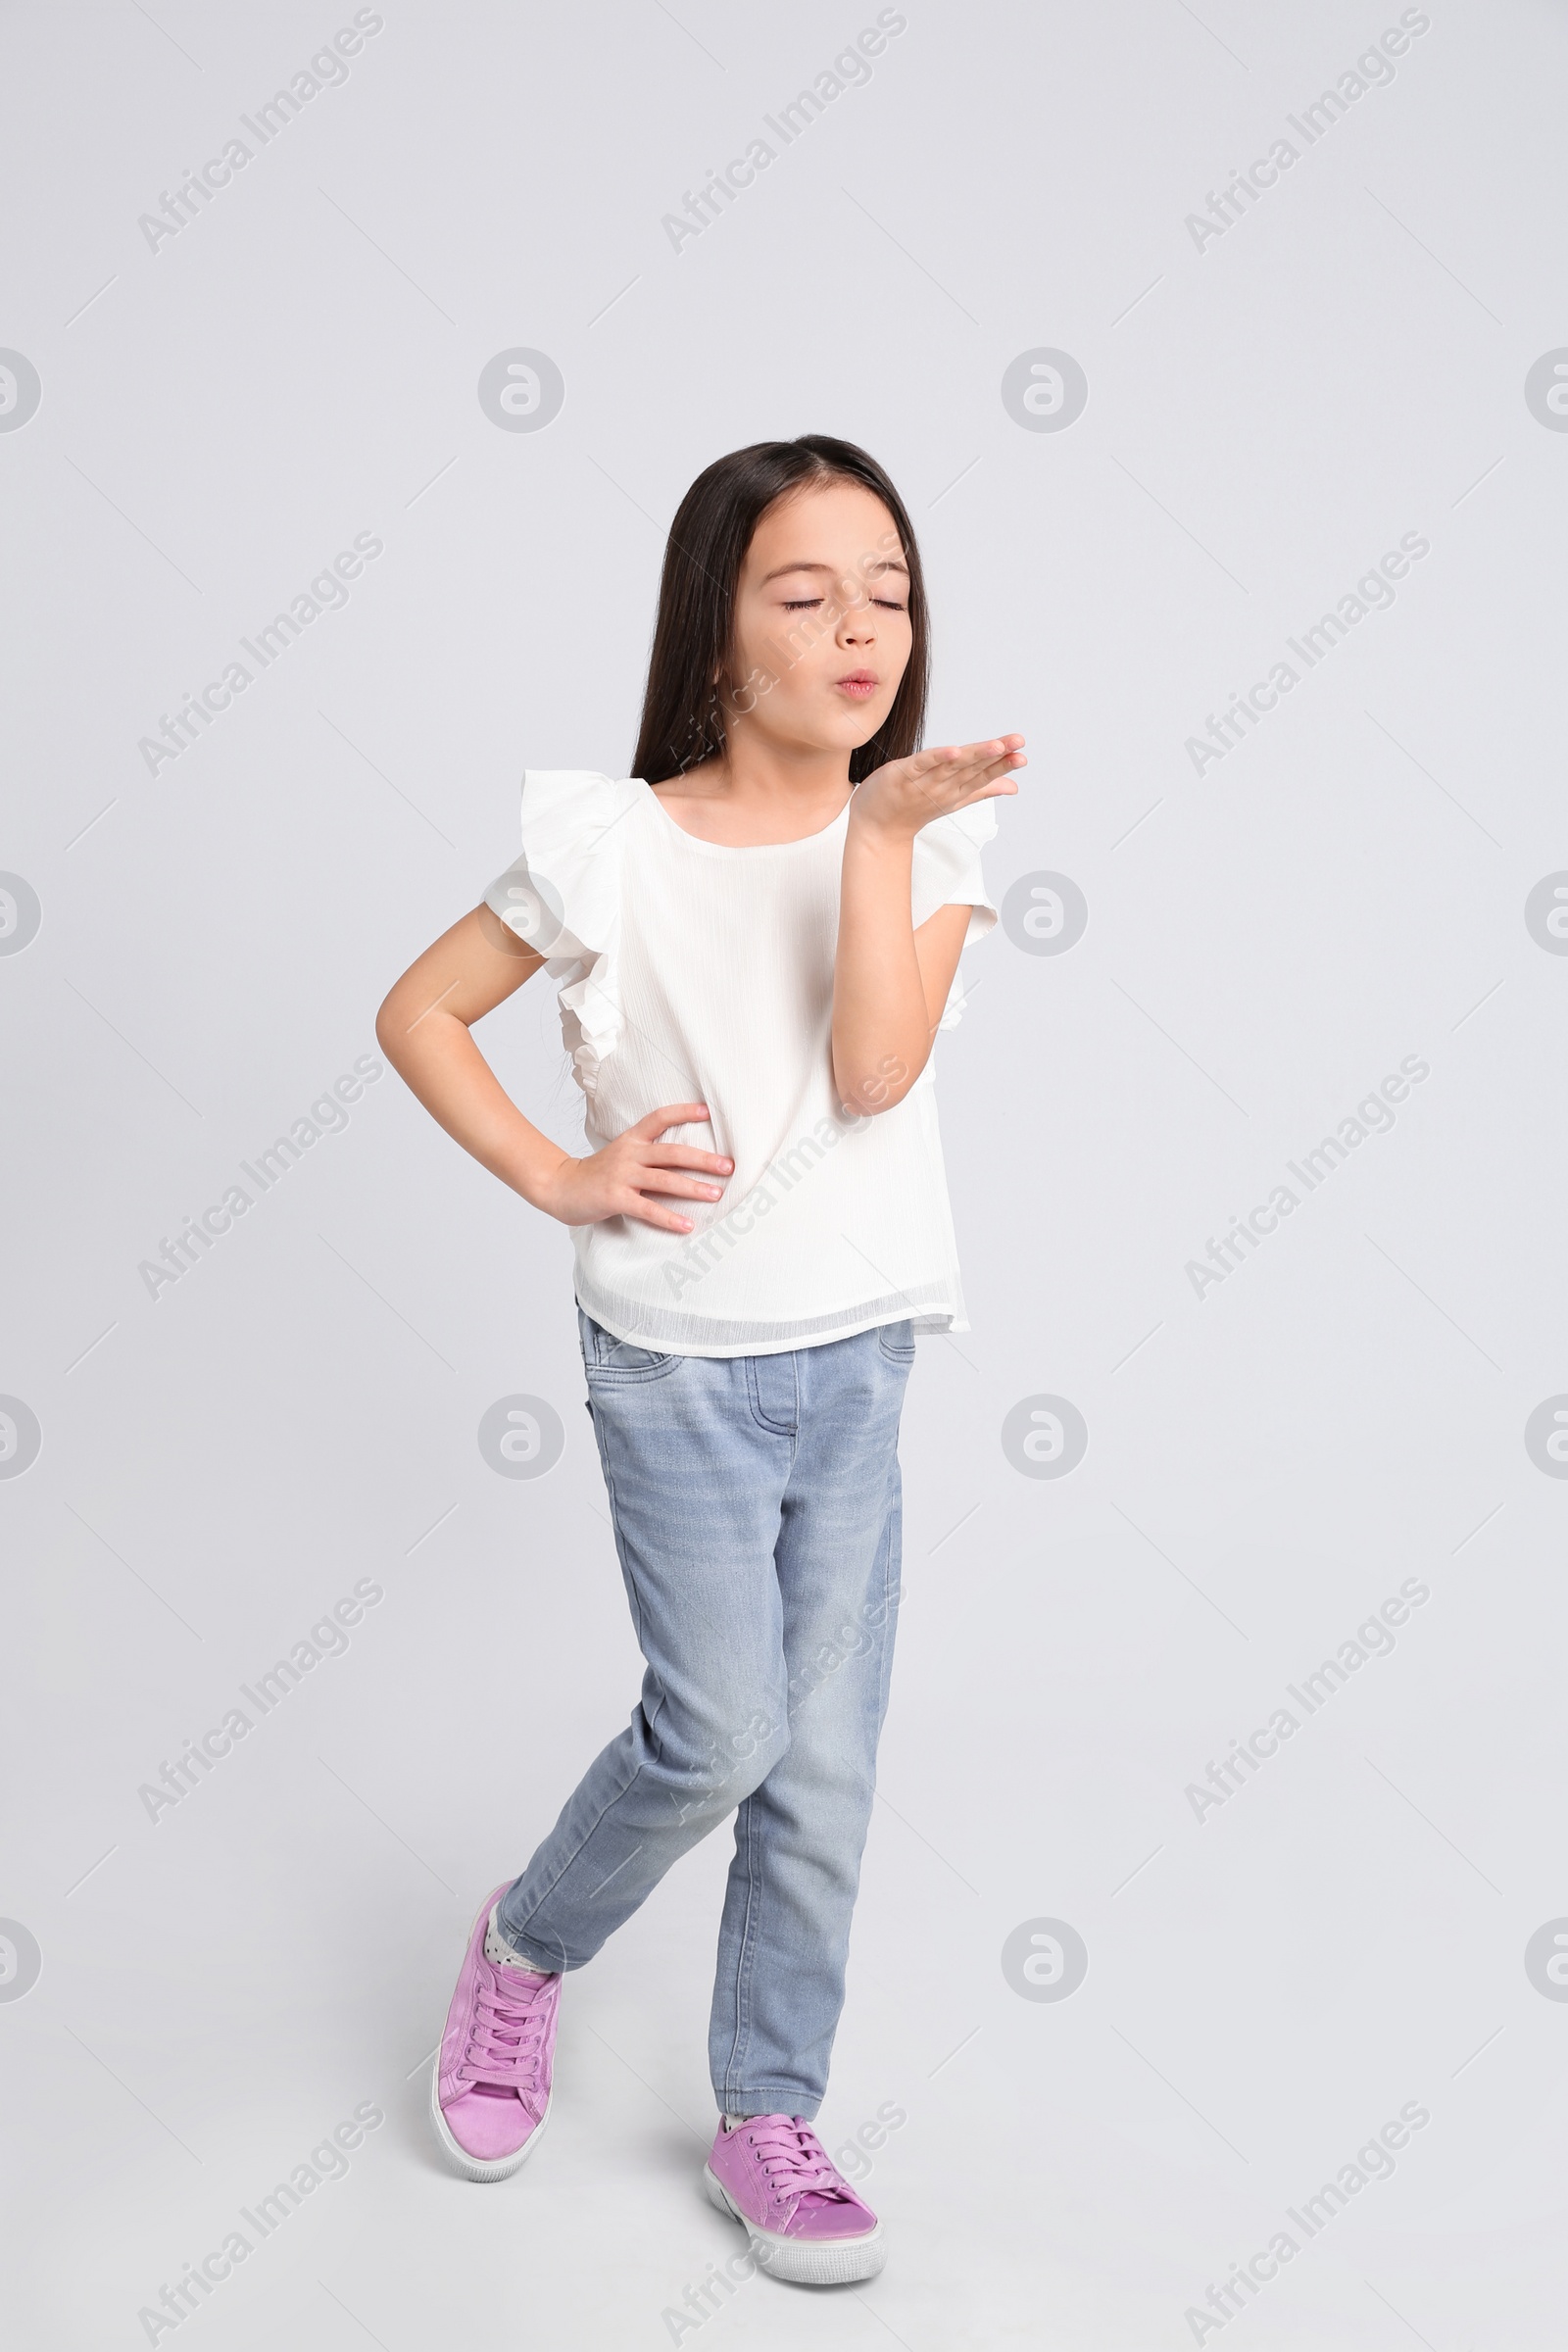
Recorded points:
(694, 972)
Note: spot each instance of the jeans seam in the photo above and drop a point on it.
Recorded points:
(891, 1587)
(753, 1403)
(633, 1596)
(745, 1956)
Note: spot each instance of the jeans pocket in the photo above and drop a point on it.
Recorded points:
(608, 1361)
(897, 1341)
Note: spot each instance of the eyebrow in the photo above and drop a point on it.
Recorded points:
(872, 570)
(876, 570)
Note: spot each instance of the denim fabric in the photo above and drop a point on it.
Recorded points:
(755, 1501)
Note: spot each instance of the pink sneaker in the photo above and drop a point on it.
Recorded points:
(804, 2220)
(490, 2090)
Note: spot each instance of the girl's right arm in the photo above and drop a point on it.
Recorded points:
(423, 1029)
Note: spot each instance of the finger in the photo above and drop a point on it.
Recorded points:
(1000, 770)
(932, 773)
(955, 764)
(946, 788)
(940, 757)
(920, 765)
(685, 1155)
(998, 757)
(990, 747)
(1002, 788)
(687, 1188)
(991, 758)
(994, 749)
(645, 1213)
(672, 1114)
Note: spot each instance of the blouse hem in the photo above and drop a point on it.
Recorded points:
(938, 1312)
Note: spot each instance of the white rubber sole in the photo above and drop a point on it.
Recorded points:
(476, 2168)
(806, 2261)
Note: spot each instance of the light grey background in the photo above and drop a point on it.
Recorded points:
(1267, 414)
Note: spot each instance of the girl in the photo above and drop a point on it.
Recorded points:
(756, 936)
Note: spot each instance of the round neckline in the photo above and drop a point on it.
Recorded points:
(745, 848)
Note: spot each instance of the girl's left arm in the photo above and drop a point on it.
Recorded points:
(890, 981)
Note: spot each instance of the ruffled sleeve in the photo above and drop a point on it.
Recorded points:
(947, 872)
(563, 896)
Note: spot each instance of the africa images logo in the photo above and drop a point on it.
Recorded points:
(521, 1436)
(1546, 1437)
(521, 389)
(1044, 1960)
(21, 1960)
(19, 391)
(1045, 390)
(1545, 390)
(1044, 1436)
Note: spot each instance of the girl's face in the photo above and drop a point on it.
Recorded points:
(821, 621)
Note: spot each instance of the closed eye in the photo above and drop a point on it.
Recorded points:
(808, 604)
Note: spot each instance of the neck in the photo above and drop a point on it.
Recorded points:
(760, 792)
(804, 780)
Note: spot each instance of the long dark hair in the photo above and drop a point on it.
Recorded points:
(683, 717)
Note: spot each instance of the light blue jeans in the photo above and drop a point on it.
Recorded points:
(755, 1501)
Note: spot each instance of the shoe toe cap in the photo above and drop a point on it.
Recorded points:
(487, 2129)
(819, 2218)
